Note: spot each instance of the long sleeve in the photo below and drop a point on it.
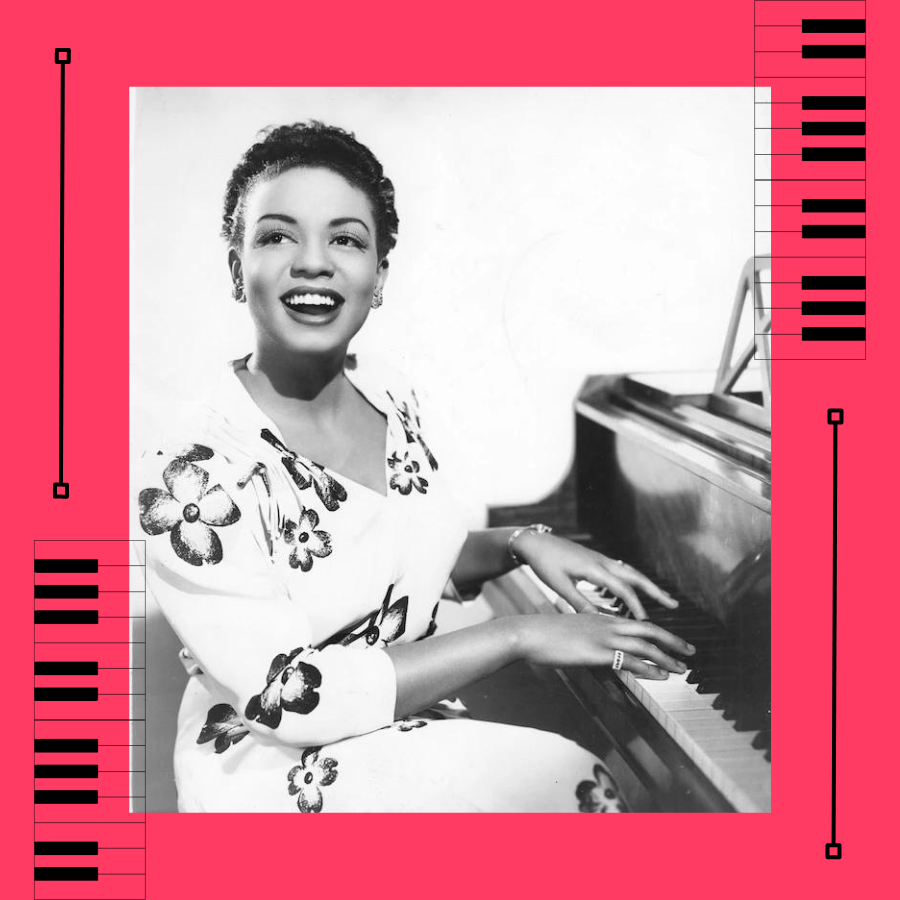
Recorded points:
(213, 540)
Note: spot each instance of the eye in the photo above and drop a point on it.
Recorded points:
(273, 237)
(346, 239)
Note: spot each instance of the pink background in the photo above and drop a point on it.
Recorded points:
(698, 43)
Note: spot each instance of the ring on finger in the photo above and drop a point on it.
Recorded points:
(618, 660)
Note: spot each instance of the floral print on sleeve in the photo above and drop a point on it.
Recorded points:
(188, 510)
(305, 540)
(290, 685)
(380, 628)
(307, 780)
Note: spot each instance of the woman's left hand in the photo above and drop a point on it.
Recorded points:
(560, 564)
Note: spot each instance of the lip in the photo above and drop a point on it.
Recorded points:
(316, 318)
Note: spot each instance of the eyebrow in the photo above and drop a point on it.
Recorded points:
(281, 217)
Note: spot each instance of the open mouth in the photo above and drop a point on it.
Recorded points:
(313, 304)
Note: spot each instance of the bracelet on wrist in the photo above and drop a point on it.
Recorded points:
(537, 528)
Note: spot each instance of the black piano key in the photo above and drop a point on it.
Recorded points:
(66, 617)
(716, 684)
(65, 693)
(66, 591)
(832, 232)
(832, 334)
(832, 282)
(66, 873)
(833, 51)
(66, 566)
(66, 797)
(65, 668)
(855, 204)
(66, 745)
(749, 720)
(833, 307)
(833, 26)
(833, 128)
(66, 771)
(66, 848)
(833, 154)
(721, 703)
(829, 102)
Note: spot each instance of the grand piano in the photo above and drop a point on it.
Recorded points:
(672, 473)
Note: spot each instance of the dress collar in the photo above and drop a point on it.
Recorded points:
(240, 414)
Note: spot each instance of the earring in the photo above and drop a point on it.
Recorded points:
(377, 299)
(237, 291)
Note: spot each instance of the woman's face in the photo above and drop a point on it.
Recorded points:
(309, 263)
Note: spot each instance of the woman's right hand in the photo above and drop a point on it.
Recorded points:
(588, 639)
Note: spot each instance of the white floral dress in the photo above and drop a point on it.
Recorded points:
(285, 582)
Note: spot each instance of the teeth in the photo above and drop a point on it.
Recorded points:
(309, 300)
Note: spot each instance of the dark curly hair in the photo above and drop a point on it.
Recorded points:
(311, 144)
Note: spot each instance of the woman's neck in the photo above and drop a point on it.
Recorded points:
(293, 384)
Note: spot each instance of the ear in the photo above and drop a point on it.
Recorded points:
(235, 266)
(382, 274)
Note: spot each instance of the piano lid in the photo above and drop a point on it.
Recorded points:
(734, 429)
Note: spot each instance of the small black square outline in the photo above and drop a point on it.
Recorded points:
(63, 494)
(67, 60)
(840, 419)
(828, 854)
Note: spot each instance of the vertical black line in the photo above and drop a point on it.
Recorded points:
(62, 223)
(34, 708)
(834, 639)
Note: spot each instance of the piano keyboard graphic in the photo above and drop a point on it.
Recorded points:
(810, 176)
(89, 741)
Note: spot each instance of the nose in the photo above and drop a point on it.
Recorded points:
(311, 259)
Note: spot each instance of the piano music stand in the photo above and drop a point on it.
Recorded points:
(728, 373)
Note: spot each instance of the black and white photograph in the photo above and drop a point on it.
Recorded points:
(451, 449)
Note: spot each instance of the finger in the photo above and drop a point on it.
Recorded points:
(623, 591)
(578, 601)
(643, 670)
(652, 632)
(634, 577)
(644, 650)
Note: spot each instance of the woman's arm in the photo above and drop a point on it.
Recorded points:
(430, 670)
(559, 563)
(484, 556)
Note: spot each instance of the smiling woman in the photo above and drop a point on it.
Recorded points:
(304, 508)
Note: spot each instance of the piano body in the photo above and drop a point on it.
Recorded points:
(677, 481)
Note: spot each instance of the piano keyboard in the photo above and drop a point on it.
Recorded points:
(703, 710)
(810, 175)
(89, 741)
